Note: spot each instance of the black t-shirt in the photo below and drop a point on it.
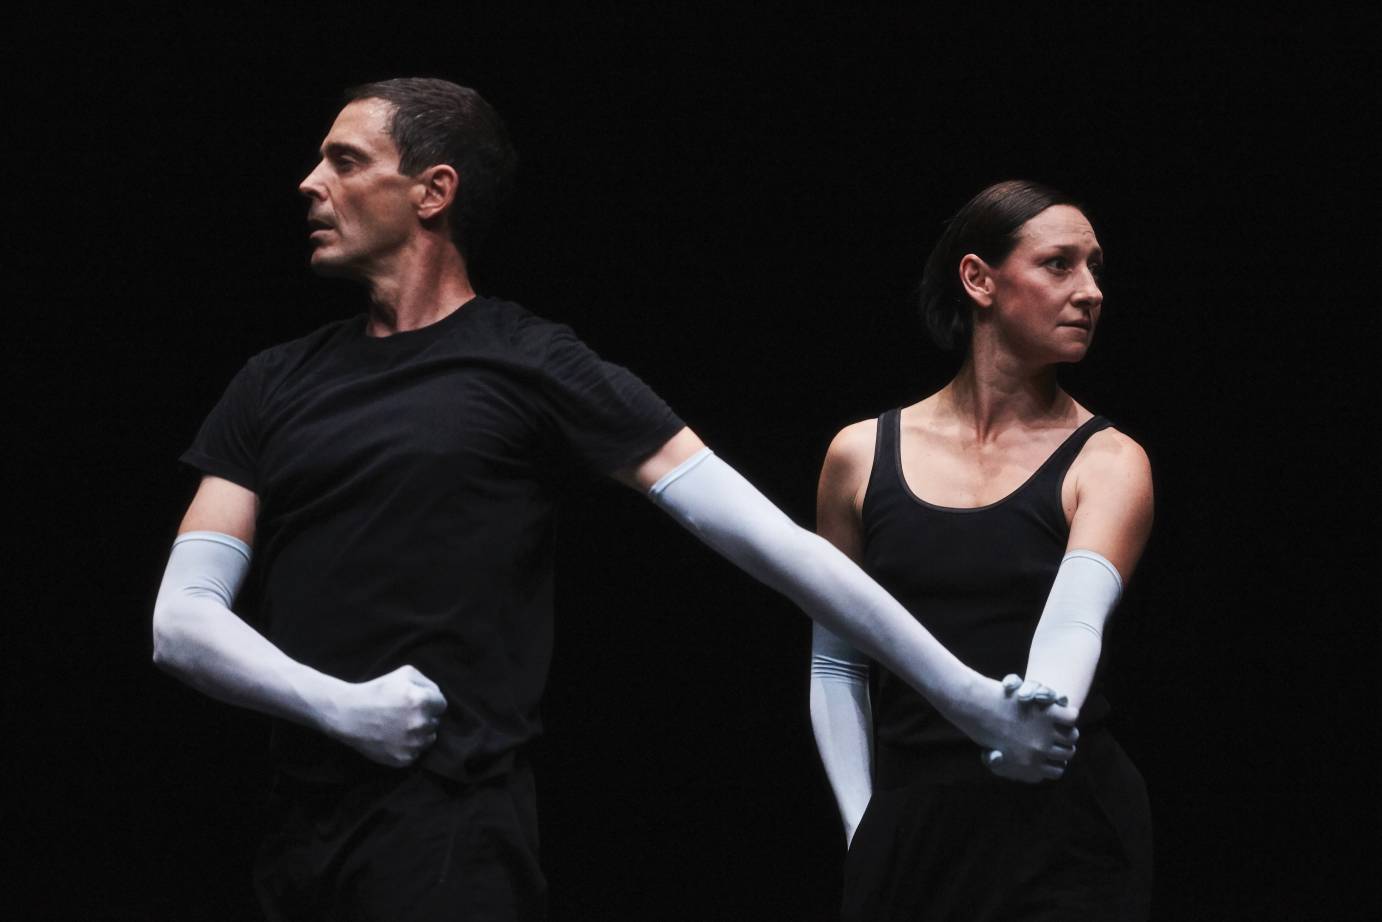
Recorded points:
(406, 488)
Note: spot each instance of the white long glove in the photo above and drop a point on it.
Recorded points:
(708, 497)
(391, 719)
(1069, 637)
(842, 719)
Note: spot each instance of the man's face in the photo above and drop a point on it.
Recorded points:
(361, 210)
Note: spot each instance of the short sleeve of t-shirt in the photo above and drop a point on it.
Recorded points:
(227, 444)
(607, 416)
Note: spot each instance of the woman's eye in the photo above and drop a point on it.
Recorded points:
(1058, 263)
(1097, 270)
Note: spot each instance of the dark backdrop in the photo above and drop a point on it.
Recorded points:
(737, 207)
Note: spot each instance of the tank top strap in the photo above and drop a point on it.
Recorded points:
(884, 470)
(1055, 467)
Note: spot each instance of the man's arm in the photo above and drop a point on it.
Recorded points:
(660, 463)
(199, 639)
(706, 496)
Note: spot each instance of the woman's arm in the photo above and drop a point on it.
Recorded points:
(1112, 487)
(841, 714)
(842, 720)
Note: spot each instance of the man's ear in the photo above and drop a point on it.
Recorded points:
(977, 280)
(437, 187)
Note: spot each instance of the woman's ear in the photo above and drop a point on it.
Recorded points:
(977, 280)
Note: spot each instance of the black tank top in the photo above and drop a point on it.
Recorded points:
(976, 578)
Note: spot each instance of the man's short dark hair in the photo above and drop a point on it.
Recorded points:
(436, 121)
(986, 226)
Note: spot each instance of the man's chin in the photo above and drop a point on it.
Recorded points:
(327, 267)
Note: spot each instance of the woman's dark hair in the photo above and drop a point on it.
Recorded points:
(436, 121)
(986, 226)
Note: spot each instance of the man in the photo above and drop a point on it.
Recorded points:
(395, 475)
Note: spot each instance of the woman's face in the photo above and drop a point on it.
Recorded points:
(1046, 297)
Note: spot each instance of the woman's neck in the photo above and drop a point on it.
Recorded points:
(992, 393)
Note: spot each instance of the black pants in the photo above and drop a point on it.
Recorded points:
(974, 848)
(401, 845)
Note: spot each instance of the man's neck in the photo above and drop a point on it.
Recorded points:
(420, 287)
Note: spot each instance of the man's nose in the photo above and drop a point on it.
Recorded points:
(311, 184)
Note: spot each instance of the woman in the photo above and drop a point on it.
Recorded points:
(1006, 517)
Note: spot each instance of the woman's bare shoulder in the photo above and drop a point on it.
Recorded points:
(1114, 451)
(1114, 504)
(1113, 471)
(852, 446)
(844, 479)
(855, 438)
(849, 460)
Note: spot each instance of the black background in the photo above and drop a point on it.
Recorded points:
(736, 206)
